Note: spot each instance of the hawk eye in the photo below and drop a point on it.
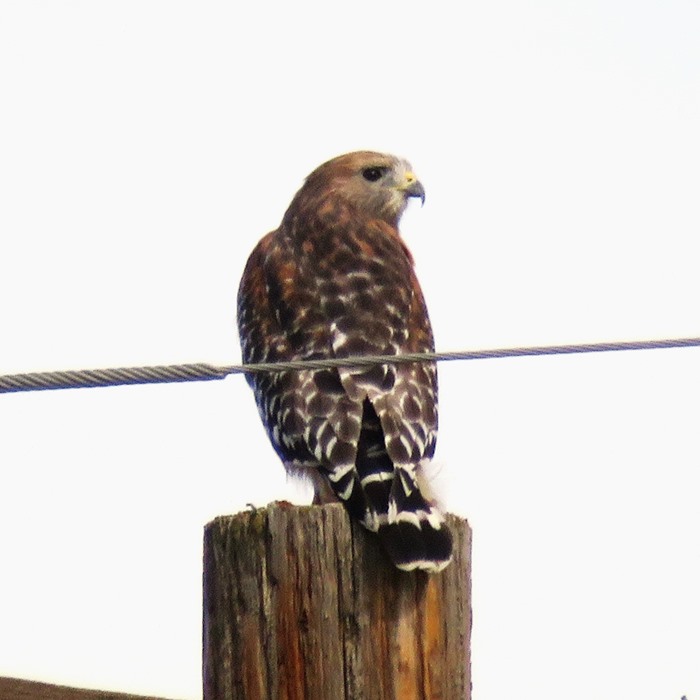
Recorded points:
(373, 174)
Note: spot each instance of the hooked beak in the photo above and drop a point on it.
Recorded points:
(411, 187)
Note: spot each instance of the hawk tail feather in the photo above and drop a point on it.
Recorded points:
(412, 530)
(415, 533)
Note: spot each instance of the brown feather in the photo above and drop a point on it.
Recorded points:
(335, 280)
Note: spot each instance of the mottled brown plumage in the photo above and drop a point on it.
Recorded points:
(334, 280)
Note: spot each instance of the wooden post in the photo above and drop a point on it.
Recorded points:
(300, 604)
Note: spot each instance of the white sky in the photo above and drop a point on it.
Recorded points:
(146, 146)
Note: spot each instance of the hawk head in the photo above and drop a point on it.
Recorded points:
(376, 184)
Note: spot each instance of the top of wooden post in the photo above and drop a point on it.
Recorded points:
(300, 603)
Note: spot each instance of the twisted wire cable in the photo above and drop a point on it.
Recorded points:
(161, 374)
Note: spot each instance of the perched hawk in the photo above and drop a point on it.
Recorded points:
(335, 280)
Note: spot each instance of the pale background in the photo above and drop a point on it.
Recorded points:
(146, 146)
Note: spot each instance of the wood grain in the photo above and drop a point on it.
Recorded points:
(301, 603)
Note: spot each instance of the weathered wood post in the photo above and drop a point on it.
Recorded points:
(301, 604)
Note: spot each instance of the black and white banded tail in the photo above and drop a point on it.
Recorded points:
(387, 499)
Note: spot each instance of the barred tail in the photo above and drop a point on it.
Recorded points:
(415, 534)
(387, 499)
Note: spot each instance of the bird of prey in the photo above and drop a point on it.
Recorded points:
(336, 280)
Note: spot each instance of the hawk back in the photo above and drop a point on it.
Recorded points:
(332, 282)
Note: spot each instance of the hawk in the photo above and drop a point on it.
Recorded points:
(336, 280)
